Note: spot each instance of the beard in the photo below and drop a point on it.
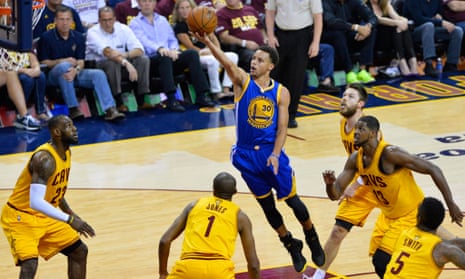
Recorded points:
(348, 112)
(70, 140)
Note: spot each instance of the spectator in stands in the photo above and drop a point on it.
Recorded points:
(126, 10)
(429, 26)
(63, 51)
(398, 25)
(350, 25)
(161, 45)
(240, 30)
(47, 19)
(325, 62)
(87, 10)
(33, 82)
(182, 8)
(454, 11)
(23, 119)
(259, 6)
(119, 54)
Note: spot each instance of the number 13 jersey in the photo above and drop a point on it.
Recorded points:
(398, 193)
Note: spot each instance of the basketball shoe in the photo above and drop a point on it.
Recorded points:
(294, 247)
(318, 255)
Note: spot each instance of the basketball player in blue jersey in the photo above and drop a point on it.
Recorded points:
(261, 128)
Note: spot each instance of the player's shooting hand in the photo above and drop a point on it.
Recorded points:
(82, 227)
(201, 38)
(456, 214)
(273, 162)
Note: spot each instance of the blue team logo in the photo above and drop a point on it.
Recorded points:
(261, 112)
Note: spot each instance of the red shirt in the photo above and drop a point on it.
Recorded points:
(243, 23)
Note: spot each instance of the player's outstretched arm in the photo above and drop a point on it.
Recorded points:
(164, 245)
(450, 251)
(238, 76)
(400, 157)
(248, 245)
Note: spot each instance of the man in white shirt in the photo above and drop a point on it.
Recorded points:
(118, 53)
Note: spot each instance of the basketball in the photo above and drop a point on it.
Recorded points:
(202, 20)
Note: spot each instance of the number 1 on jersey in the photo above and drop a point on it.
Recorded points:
(211, 219)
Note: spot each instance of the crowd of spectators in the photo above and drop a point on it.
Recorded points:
(136, 40)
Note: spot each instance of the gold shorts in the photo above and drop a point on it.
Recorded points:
(387, 231)
(31, 236)
(205, 269)
(356, 209)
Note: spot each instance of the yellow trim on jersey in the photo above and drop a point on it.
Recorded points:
(244, 88)
(278, 92)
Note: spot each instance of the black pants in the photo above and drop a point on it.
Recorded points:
(344, 42)
(166, 69)
(293, 58)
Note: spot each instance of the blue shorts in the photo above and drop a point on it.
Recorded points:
(260, 179)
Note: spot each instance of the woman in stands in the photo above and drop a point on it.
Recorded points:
(182, 8)
(403, 42)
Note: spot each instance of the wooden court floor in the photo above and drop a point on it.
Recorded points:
(131, 190)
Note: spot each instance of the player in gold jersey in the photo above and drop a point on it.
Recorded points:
(386, 170)
(210, 227)
(420, 252)
(31, 220)
(352, 211)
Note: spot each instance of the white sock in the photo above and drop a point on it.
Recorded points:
(319, 274)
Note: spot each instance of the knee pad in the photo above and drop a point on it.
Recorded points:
(344, 224)
(380, 260)
(271, 212)
(299, 208)
(68, 250)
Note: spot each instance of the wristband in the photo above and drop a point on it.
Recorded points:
(360, 180)
(78, 68)
(356, 27)
(244, 43)
(70, 219)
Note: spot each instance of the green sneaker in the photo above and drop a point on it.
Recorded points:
(365, 77)
(351, 77)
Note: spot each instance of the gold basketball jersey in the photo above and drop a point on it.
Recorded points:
(412, 257)
(56, 184)
(347, 138)
(211, 230)
(397, 193)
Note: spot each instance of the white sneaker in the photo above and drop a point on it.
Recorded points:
(27, 122)
(319, 274)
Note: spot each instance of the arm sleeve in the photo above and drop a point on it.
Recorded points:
(37, 202)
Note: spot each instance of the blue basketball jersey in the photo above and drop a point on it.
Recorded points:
(257, 114)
